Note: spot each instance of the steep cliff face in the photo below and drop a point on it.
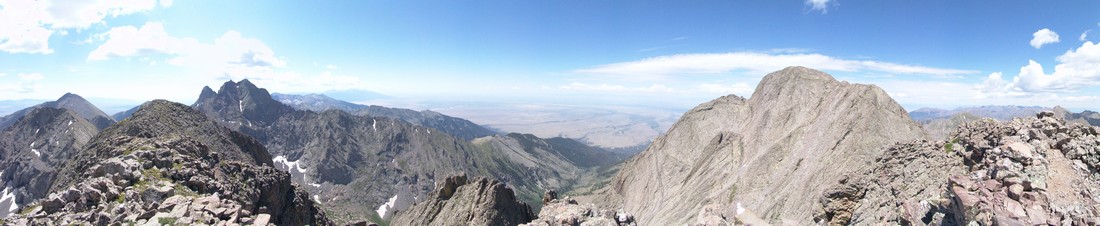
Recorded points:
(169, 163)
(772, 154)
(33, 149)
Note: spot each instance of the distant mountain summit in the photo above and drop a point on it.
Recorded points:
(771, 154)
(74, 103)
(458, 127)
(1002, 113)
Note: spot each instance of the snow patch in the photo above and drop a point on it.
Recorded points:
(317, 198)
(36, 131)
(32, 144)
(314, 185)
(70, 123)
(740, 209)
(241, 104)
(401, 201)
(289, 164)
(36, 153)
(8, 196)
(374, 124)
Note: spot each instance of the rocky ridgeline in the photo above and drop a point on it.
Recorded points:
(458, 201)
(142, 172)
(1022, 172)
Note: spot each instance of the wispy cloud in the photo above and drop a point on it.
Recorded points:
(1084, 35)
(819, 5)
(663, 67)
(1042, 37)
(577, 86)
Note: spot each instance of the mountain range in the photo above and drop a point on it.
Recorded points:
(804, 149)
(352, 161)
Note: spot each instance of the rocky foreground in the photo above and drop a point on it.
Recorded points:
(1033, 171)
(169, 164)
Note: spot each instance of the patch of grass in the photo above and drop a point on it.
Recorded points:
(27, 209)
(184, 191)
(167, 221)
(950, 145)
(378, 219)
(121, 198)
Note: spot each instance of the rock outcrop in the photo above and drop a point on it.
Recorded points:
(33, 149)
(1033, 171)
(566, 212)
(458, 201)
(773, 154)
(169, 164)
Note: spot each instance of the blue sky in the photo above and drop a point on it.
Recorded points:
(651, 53)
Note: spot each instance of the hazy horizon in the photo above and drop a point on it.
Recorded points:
(669, 55)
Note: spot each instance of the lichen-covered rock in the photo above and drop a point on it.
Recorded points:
(458, 201)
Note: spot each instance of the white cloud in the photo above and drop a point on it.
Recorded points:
(1042, 37)
(26, 26)
(654, 88)
(28, 82)
(129, 41)
(757, 63)
(1076, 69)
(819, 5)
(740, 88)
(231, 54)
(1084, 35)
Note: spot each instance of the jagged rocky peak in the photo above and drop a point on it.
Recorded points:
(241, 104)
(770, 154)
(168, 163)
(457, 200)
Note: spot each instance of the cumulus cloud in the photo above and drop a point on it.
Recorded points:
(232, 53)
(1075, 70)
(232, 56)
(758, 63)
(1042, 37)
(26, 26)
(818, 5)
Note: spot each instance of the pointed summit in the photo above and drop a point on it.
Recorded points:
(72, 102)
